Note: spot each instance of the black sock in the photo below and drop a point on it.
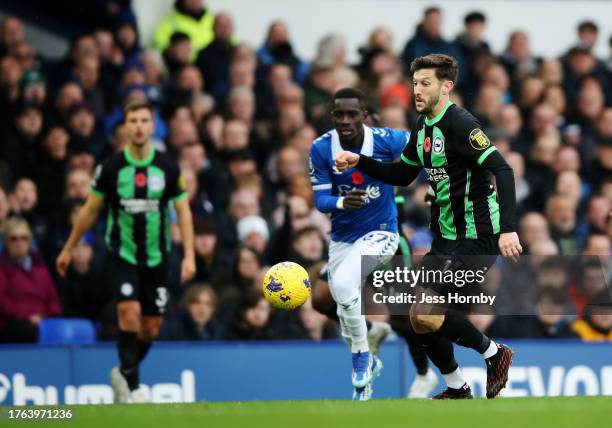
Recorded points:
(143, 349)
(440, 351)
(463, 332)
(417, 351)
(128, 356)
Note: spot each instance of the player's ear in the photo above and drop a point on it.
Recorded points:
(447, 87)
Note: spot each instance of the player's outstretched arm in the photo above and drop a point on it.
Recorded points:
(185, 223)
(509, 244)
(85, 220)
(395, 173)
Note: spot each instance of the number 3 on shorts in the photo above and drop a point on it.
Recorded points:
(162, 297)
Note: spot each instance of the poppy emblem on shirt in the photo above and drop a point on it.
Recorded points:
(357, 178)
(427, 144)
(141, 180)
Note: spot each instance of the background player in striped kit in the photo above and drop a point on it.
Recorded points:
(136, 185)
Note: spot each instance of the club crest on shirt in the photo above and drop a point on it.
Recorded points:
(156, 183)
(478, 139)
(438, 145)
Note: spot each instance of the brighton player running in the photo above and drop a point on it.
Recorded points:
(468, 217)
(364, 219)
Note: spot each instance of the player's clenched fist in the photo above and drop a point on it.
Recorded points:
(354, 199)
(509, 245)
(346, 160)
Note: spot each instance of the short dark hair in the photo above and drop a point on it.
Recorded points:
(345, 93)
(446, 67)
(588, 26)
(432, 9)
(474, 17)
(134, 105)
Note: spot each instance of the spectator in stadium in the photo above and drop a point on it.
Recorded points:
(21, 144)
(27, 292)
(319, 88)
(598, 209)
(533, 228)
(5, 210)
(68, 95)
(252, 321)
(83, 291)
(253, 232)
(307, 247)
(11, 34)
(126, 37)
(78, 183)
(33, 87)
(600, 168)
(87, 73)
(596, 325)
(472, 45)
(178, 53)
(277, 48)
(380, 38)
(518, 59)
(549, 320)
(24, 203)
(209, 260)
(215, 59)
(471, 41)
(428, 39)
(194, 322)
(564, 227)
(316, 325)
(83, 130)
(598, 244)
(580, 63)
(191, 17)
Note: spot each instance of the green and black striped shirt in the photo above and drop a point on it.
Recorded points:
(137, 193)
(451, 148)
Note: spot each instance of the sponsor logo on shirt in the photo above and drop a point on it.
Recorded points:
(437, 174)
(372, 192)
(137, 206)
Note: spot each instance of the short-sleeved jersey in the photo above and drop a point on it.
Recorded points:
(451, 148)
(379, 211)
(137, 193)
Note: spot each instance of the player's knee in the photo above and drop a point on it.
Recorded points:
(129, 316)
(423, 324)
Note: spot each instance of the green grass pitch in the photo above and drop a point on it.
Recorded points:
(574, 412)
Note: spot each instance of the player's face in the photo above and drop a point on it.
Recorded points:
(347, 117)
(427, 90)
(139, 124)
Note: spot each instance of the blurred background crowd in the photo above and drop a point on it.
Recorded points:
(239, 116)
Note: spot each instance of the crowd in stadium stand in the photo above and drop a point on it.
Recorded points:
(240, 117)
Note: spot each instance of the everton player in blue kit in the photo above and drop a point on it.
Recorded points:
(364, 219)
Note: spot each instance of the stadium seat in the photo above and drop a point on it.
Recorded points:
(66, 331)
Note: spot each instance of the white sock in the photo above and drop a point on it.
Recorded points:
(491, 350)
(454, 379)
(355, 326)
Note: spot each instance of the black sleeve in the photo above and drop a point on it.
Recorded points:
(102, 183)
(504, 179)
(396, 173)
